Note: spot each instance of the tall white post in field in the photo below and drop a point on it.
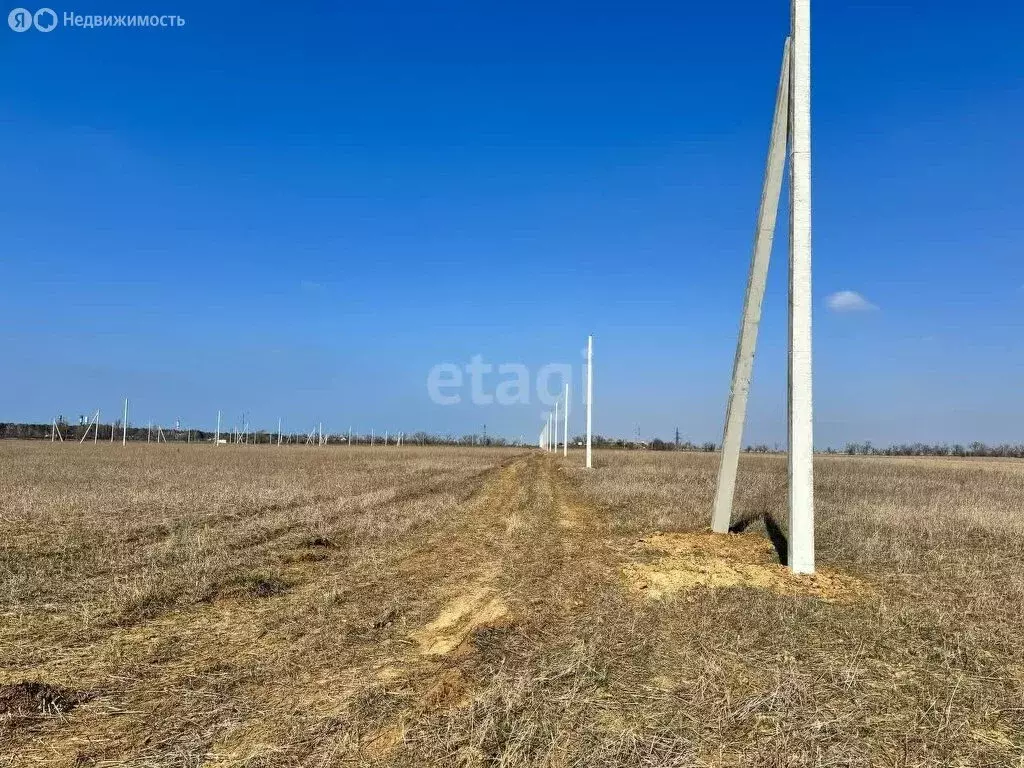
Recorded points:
(590, 395)
(216, 440)
(555, 446)
(801, 417)
(96, 432)
(565, 426)
(124, 432)
(743, 363)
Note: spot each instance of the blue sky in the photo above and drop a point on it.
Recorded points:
(299, 214)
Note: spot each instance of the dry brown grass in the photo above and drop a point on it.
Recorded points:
(184, 606)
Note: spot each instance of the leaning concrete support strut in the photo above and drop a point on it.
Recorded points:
(746, 345)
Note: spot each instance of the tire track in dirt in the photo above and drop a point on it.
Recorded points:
(529, 551)
(433, 592)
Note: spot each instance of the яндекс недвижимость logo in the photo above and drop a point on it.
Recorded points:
(22, 20)
(46, 20)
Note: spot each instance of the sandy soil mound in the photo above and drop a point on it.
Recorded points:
(668, 563)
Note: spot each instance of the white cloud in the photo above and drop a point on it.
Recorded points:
(848, 301)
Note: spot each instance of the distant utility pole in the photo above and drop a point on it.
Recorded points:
(94, 424)
(216, 439)
(590, 394)
(565, 426)
(124, 433)
(555, 446)
(677, 438)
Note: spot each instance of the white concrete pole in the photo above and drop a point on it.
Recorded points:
(746, 345)
(565, 425)
(590, 394)
(216, 440)
(801, 415)
(556, 426)
(124, 431)
(96, 432)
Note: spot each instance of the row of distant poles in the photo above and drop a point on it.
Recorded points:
(241, 435)
(548, 438)
(93, 427)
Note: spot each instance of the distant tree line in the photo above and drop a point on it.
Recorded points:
(977, 449)
(1004, 450)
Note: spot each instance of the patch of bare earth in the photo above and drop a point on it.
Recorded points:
(668, 563)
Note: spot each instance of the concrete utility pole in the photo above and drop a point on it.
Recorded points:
(801, 413)
(793, 104)
(216, 440)
(124, 432)
(565, 426)
(590, 392)
(555, 445)
(743, 363)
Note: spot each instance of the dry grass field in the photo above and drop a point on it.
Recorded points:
(243, 606)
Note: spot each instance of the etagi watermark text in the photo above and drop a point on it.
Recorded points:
(47, 20)
(512, 383)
